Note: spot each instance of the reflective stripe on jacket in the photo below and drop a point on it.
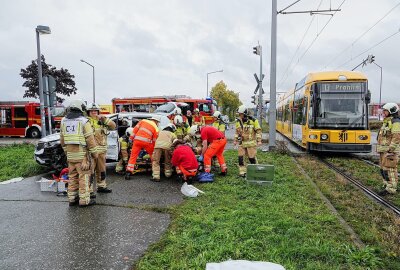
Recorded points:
(389, 135)
(146, 131)
(76, 138)
(249, 131)
(100, 132)
(220, 125)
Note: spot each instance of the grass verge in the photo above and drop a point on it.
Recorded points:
(17, 160)
(286, 223)
(365, 173)
(376, 227)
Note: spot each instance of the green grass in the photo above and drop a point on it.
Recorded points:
(17, 160)
(265, 126)
(376, 227)
(365, 173)
(286, 223)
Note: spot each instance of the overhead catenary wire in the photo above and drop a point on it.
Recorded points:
(316, 37)
(360, 36)
(297, 49)
(370, 48)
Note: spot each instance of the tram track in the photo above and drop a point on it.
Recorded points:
(365, 189)
(371, 194)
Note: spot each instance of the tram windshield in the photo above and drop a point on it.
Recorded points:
(341, 105)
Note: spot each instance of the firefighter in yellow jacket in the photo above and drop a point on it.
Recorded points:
(124, 149)
(182, 127)
(101, 126)
(389, 147)
(77, 140)
(247, 137)
(218, 122)
(163, 147)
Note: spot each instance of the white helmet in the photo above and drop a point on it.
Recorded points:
(178, 120)
(171, 126)
(217, 114)
(93, 107)
(193, 130)
(196, 110)
(125, 121)
(242, 109)
(391, 107)
(156, 118)
(129, 131)
(77, 105)
(178, 111)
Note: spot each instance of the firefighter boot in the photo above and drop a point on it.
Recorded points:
(74, 202)
(91, 202)
(104, 190)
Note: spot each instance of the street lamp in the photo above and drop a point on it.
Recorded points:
(41, 29)
(94, 89)
(211, 73)
(380, 91)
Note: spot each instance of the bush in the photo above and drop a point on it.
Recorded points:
(375, 124)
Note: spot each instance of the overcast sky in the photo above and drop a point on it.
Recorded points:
(142, 48)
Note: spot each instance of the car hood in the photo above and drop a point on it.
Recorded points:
(50, 138)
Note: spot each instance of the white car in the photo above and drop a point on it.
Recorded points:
(49, 153)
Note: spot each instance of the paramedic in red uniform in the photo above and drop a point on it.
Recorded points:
(214, 142)
(184, 159)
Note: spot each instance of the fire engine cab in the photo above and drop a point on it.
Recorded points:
(19, 118)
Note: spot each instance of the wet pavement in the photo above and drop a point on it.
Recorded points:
(40, 231)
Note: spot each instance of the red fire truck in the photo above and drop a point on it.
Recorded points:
(19, 118)
(149, 104)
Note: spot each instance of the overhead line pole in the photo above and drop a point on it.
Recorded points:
(272, 83)
(272, 107)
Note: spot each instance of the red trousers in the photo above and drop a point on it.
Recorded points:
(216, 148)
(136, 148)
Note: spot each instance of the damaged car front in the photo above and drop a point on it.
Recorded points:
(49, 153)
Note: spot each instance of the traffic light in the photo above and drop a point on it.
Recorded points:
(257, 50)
(254, 99)
(371, 58)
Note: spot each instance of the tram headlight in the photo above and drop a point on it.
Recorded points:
(363, 137)
(313, 136)
(324, 137)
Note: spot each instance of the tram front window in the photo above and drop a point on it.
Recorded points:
(344, 110)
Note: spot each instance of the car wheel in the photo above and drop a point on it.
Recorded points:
(34, 133)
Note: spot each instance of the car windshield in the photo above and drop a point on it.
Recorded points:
(166, 108)
(337, 107)
(58, 111)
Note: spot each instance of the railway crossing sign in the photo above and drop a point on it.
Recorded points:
(258, 83)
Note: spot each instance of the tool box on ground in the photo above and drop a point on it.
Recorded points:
(52, 185)
(261, 174)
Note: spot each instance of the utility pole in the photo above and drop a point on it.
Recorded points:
(272, 105)
(272, 83)
(41, 29)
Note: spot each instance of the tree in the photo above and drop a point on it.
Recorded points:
(65, 84)
(227, 100)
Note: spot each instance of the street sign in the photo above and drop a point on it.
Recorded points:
(52, 91)
(258, 83)
(45, 91)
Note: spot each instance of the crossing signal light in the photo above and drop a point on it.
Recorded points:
(257, 50)
(255, 99)
(371, 58)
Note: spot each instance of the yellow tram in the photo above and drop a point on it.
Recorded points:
(327, 111)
